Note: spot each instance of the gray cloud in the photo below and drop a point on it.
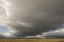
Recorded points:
(2, 35)
(56, 34)
(32, 17)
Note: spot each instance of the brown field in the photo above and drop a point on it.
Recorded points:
(31, 40)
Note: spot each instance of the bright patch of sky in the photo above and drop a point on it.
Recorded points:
(3, 29)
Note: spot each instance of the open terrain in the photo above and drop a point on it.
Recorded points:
(31, 40)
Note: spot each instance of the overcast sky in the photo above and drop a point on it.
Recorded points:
(31, 18)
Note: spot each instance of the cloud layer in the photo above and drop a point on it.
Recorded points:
(32, 17)
(2, 35)
(56, 34)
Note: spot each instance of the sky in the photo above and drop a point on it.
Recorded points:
(31, 18)
(3, 29)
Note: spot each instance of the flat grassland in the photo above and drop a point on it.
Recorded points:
(31, 40)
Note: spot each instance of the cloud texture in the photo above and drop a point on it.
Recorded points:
(32, 17)
(2, 35)
(56, 34)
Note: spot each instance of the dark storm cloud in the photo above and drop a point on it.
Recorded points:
(32, 17)
(56, 34)
(2, 35)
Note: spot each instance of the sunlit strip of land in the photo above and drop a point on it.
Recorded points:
(33, 40)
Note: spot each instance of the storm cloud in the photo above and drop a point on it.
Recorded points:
(2, 35)
(55, 34)
(32, 17)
